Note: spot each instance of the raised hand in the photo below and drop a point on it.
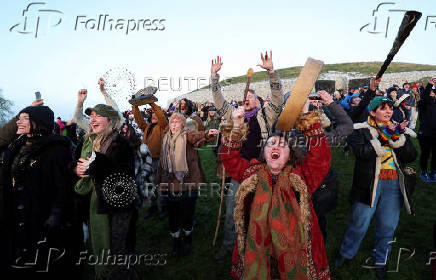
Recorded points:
(267, 63)
(238, 116)
(432, 81)
(326, 98)
(373, 83)
(216, 66)
(403, 125)
(37, 102)
(81, 95)
(101, 85)
(392, 126)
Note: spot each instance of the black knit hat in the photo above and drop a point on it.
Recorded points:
(391, 89)
(42, 116)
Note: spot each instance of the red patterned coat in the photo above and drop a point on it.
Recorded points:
(311, 171)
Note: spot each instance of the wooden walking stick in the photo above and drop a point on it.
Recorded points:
(247, 85)
(223, 179)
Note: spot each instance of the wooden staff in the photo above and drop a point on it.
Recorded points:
(223, 179)
(247, 86)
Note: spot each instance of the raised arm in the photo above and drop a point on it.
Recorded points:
(139, 119)
(78, 117)
(109, 100)
(274, 107)
(369, 95)
(344, 125)
(161, 120)
(223, 107)
(316, 164)
(233, 134)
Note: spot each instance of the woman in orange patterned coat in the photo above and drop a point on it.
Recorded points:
(278, 236)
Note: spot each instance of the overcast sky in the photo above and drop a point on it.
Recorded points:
(60, 60)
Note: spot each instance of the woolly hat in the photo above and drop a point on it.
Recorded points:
(42, 116)
(391, 89)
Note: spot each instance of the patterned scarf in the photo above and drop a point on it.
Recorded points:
(276, 236)
(384, 131)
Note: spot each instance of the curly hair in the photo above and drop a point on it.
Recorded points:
(296, 142)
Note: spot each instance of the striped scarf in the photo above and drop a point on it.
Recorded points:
(384, 131)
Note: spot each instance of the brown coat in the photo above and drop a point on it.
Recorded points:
(152, 138)
(194, 140)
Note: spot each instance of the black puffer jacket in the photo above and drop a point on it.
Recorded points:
(368, 151)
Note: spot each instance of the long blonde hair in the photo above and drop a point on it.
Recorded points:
(99, 139)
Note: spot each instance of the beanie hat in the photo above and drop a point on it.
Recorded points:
(42, 116)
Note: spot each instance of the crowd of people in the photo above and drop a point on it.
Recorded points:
(62, 182)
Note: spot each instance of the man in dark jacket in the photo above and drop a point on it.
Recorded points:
(325, 197)
(427, 131)
(380, 185)
(359, 113)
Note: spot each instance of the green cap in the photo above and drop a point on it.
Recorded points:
(377, 101)
(104, 110)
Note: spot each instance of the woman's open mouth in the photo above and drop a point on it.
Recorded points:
(275, 155)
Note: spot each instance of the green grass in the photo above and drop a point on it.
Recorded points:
(367, 68)
(413, 232)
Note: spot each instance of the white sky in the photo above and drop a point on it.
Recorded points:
(60, 60)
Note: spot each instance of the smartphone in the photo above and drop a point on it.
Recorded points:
(37, 95)
(314, 96)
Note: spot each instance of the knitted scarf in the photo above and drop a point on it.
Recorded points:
(276, 236)
(99, 223)
(173, 155)
(384, 131)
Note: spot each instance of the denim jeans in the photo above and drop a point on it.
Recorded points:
(387, 206)
(229, 224)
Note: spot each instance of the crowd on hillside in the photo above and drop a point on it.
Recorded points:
(67, 186)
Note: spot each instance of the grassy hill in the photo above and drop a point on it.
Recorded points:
(367, 68)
